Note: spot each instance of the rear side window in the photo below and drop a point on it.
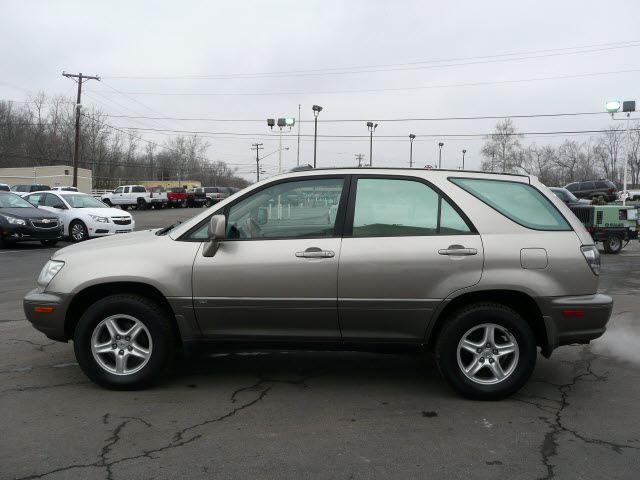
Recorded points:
(517, 201)
(395, 207)
(138, 189)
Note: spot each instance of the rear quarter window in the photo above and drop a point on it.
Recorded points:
(519, 202)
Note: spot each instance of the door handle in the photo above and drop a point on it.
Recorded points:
(315, 252)
(455, 250)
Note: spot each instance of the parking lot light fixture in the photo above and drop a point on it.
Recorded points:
(440, 145)
(372, 128)
(464, 152)
(316, 111)
(411, 138)
(613, 106)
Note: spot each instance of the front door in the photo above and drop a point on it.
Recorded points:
(275, 274)
(406, 247)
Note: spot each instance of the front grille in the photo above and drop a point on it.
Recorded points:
(44, 223)
(121, 220)
(584, 214)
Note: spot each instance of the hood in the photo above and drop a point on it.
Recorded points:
(103, 245)
(105, 212)
(28, 213)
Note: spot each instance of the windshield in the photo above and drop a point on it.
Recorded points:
(83, 201)
(13, 201)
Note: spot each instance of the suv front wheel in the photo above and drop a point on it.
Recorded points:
(486, 351)
(124, 342)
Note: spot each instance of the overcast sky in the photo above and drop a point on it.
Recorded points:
(227, 39)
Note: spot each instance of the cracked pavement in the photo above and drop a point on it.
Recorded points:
(319, 415)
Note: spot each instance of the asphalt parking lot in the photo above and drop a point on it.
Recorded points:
(316, 415)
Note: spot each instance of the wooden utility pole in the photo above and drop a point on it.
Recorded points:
(359, 157)
(257, 147)
(79, 78)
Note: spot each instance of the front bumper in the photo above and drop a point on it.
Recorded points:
(575, 319)
(98, 229)
(24, 233)
(47, 312)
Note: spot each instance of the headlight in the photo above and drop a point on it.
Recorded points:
(14, 220)
(592, 256)
(98, 219)
(49, 271)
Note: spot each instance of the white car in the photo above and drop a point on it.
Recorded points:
(83, 216)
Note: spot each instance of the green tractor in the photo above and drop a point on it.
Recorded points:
(613, 225)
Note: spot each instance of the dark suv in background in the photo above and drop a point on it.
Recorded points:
(28, 188)
(592, 189)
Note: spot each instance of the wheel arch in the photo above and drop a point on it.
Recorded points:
(91, 294)
(521, 302)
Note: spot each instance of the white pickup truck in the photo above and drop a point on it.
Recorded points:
(135, 196)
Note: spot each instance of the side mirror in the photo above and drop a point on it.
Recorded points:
(216, 231)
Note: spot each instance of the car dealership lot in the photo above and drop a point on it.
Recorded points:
(322, 415)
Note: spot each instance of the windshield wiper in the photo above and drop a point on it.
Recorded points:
(165, 230)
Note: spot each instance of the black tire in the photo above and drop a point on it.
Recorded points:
(155, 319)
(49, 243)
(124, 207)
(462, 322)
(78, 231)
(142, 205)
(613, 244)
(209, 202)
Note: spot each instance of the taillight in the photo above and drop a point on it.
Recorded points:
(592, 256)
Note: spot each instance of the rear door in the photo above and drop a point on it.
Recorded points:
(406, 247)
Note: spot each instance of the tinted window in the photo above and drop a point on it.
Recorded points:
(450, 221)
(305, 208)
(51, 200)
(36, 199)
(4, 188)
(587, 186)
(138, 189)
(386, 207)
(562, 195)
(517, 201)
(572, 187)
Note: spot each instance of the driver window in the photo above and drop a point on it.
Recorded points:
(35, 199)
(118, 190)
(305, 208)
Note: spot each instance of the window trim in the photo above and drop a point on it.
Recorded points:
(350, 213)
(569, 229)
(340, 214)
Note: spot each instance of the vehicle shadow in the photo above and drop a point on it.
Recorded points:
(297, 367)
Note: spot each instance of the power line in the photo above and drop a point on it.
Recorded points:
(416, 65)
(393, 89)
(274, 136)
(360, 120)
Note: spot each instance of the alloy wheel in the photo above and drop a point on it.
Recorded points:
(78, 232)
(488, 354)
(121, 344)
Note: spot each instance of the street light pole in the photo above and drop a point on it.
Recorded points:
(440, 144)
(411, 137)
(464, 151)
(372, 128)
(316, 111)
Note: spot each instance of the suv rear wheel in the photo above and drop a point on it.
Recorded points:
(486, 351)
(124, 342)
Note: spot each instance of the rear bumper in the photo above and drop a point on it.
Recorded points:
(52, 322)
(575, 319)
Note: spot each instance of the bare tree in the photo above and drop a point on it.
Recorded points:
(501, 150)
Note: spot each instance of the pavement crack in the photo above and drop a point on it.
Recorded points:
(39, 346)
(549, 447)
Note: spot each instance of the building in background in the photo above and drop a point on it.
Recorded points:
(54, 176)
